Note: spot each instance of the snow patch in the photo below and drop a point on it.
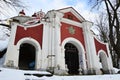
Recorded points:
(116, 70)
(3, 44)
(2, 61)
(10, 74)
(13, 74)
(4, 38)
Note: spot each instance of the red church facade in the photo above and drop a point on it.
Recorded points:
(60, 42)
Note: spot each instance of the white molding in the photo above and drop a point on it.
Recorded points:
(65, 10)
(78, 15)
(45, 46)
(30, 41)
(100, 41)
(106, 44)
(72, 22)
(101, 51)
(29, 26)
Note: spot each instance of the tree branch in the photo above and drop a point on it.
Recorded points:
(110, 4)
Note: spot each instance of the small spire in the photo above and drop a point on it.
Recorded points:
(34, 15)
(22, 13)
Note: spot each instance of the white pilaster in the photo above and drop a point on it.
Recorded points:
(57, 38)
(51, 40)
(53, 46)
(45, 46)
(90, 47)
(49, 46)
(11, 48)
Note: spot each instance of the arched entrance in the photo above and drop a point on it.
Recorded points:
(72, 58)
(103, 62)
(27, 56)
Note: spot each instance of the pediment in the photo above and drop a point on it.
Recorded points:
(71, 13)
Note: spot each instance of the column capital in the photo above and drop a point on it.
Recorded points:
(87, 25)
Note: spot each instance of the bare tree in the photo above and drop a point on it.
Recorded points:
(10, 4)
(112, 8)
(102, 26)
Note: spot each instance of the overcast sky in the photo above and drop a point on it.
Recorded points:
(82, 6)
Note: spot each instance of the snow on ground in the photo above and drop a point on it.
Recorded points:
(3, 44)
(10, 74)
(4, 32)
(13, 74)
(2, 61)
(116, 70)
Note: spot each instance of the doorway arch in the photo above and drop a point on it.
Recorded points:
(37, 50)
(27, 56)
(80, 52)
(71, 58)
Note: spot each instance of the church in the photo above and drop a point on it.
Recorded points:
(60, 41)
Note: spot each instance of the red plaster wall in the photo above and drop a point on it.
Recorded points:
(100, 46)
(78, 33)
(33, 32)
(74, 17)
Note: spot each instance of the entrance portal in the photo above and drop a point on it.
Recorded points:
(27, 57)
(72, 58)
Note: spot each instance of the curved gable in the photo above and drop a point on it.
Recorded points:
(100, 46)
(33, 32)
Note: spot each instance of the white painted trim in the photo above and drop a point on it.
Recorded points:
(89, 45)
(99, 40)
(65, 10)
(79, 46)
(106, 44)
(78, 15)
(30, 41)
(29, 26)
(35, 43)
(102, 51)
(72, 22)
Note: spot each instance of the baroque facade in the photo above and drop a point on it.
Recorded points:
(59, 41)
